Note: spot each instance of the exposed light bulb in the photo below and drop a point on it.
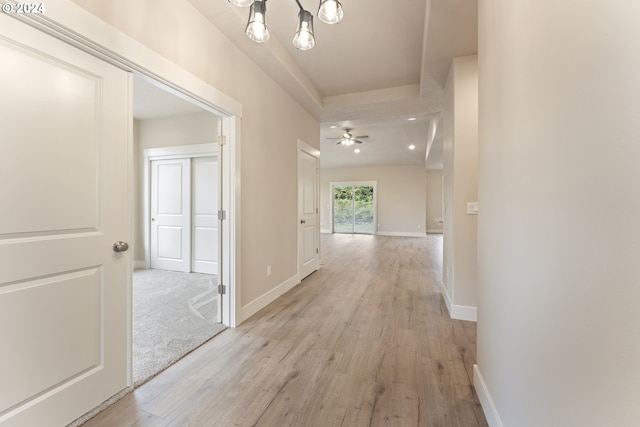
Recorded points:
(412, 147)
(303, 39)
(241, 3)
(330, 11)
(257, 27)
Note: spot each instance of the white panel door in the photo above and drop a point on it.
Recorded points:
(171, 214)
(308, 213)
(205, 215)
(64, 119)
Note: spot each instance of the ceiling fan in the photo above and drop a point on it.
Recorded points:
(348, 139)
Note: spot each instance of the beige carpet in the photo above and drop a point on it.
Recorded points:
(173, 313)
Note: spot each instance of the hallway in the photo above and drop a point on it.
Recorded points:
(366, 340)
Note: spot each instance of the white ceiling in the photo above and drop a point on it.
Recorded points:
(151, 101)
(383, 64)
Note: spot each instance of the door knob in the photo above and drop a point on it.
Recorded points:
(120, 246)
(302, 221)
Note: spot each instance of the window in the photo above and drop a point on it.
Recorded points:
(354, 209)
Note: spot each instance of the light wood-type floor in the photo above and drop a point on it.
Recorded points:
(364, 341)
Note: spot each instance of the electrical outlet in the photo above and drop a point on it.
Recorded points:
(268, 270)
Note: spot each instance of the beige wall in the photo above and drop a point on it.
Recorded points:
(460, 181)
(164, 132)
(271, 125)
(559, 226)
(434, 200)
(401, 196)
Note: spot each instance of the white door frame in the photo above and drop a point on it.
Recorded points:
(314, 152)
(72, 24)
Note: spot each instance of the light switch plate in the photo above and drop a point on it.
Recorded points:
(472, 208)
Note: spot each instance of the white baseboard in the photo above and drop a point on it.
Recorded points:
(262, 301)
(458, 312)
(139, 265)
(325, 231)
(400, 234)
(434, 230)
(489, 408)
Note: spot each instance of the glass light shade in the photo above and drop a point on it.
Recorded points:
(330, 11)
(347, 142)
(241, 3)
(257, 26)
(304, 39)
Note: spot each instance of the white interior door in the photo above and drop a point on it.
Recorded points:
(205, 215)
(64, 120)
(308, 214)
(171, 214)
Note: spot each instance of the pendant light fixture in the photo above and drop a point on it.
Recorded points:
(330, 12)
(303, 38)
(241, 3)
(257, 26)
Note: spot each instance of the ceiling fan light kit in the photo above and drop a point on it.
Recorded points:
(348, 139)
(329, 11)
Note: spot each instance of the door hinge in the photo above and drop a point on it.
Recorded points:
(317, 250)
(222, 140)
(222, 289)
(317, 210)
(222, 215)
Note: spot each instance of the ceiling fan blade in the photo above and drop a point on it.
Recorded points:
(333, 138)
(361, 137)
(357, 141)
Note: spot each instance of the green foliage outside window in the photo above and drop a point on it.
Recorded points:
(353, 210)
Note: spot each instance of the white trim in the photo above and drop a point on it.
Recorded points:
(325, 231)
(400, 234)
(447, 298)
(267, 298)
(434, 231)
(488, 406)
(458, 312)
(182, 151)
(231, 228)
(464, 312)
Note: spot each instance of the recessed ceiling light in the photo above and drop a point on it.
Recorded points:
(412, 147)
(357, 150)
(412, 119)
(333, 127)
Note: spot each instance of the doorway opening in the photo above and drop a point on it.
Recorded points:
(354, 208)
(177, 237)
